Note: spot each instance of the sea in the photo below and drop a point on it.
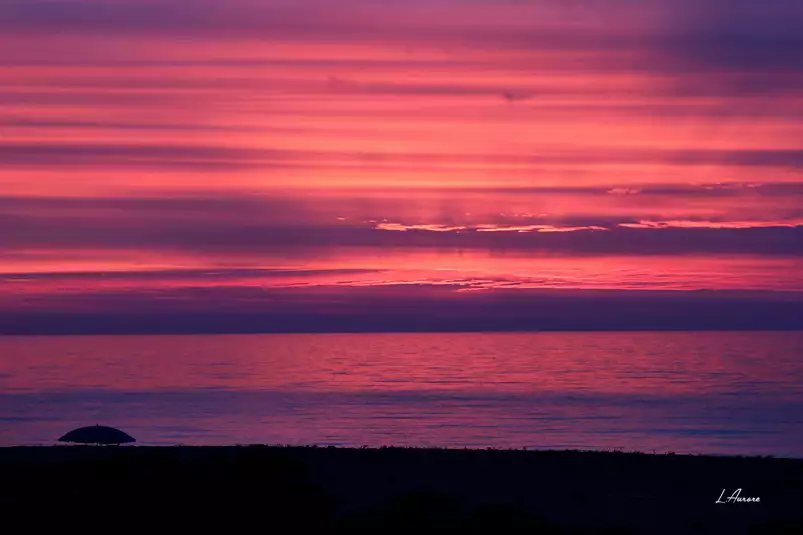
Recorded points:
(720, 393)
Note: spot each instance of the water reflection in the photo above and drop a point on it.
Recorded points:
(702, 392)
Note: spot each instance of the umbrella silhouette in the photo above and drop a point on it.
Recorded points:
(97, 434)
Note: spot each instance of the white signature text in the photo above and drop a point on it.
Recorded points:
(736, 498)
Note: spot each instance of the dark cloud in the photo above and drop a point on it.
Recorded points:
(285, 225)
(54, 123)
(200, 203)
(696, 41)
(177, 126)
(97, 99)
(738, 158)
(281, 85)
(32, 152)
(40, 154)
(411, 308)
(306, 20)
(714, 189)
(738, 35)
(726, 189)
(734, 48)
(182, 275)
(149, 17)
(61, 155)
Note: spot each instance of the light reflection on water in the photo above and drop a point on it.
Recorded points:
(730, 393)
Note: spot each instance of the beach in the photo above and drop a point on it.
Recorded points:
(400, 490)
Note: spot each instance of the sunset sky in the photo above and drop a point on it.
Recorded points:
(200, 165)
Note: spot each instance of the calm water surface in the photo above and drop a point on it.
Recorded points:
(725, 393)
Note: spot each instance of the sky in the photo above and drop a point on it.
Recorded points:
(308, 165)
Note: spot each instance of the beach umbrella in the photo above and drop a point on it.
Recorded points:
(97, 434)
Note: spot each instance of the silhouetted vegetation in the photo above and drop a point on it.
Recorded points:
(266, 489)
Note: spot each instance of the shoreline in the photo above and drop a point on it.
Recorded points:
(8, 451)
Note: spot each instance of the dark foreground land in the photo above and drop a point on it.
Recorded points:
(261, 489)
